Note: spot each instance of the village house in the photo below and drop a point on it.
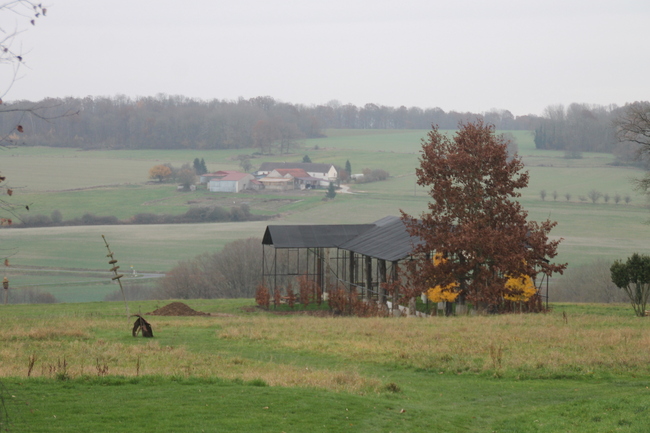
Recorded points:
(325, 173)
(277, 183)
(301, 179)
(207, 177)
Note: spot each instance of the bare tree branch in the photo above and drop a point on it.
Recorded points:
(634, 124)
(26, 12)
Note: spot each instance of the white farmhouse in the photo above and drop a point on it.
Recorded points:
(325, 172)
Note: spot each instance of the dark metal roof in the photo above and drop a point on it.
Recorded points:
(386, 239)
(312, 236)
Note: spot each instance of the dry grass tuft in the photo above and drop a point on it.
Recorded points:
(68, 350)
(44, 332)
(516, 345)
(507, 343)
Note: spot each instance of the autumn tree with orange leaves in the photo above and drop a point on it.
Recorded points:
(474, 219)
(160, 172)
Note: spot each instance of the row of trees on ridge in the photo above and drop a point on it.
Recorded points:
(169, 122)
(593, 195)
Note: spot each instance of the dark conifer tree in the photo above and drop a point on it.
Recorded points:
(331, 191)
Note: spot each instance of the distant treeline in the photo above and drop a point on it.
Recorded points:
(164, 122)
(172, 122)
(270, 126)
(579, 127)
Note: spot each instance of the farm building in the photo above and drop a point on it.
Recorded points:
(326, 173)
(277, 183)
(207, 177)
(355, 256)
(299, 179)
(229, 181)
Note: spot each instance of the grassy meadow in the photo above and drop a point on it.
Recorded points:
(115, 183)
(76, 368)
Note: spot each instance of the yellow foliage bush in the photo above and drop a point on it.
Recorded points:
(443, 294)
(520, 288)
(438, 293)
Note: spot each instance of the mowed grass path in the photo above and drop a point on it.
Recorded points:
(585, 371)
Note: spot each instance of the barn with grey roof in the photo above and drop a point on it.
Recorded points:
(356, 256)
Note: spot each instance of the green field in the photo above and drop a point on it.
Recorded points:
(115, 183)
(579, 368)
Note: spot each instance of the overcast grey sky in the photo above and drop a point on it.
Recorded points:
(465, 55)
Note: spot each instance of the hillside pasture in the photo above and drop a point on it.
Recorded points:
(55, 169)
(75, 182)
(73, 259)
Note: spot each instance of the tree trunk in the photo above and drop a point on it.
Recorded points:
(412, 303)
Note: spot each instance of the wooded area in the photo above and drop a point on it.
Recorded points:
(272, 126)
(172, 122)
(578, 128)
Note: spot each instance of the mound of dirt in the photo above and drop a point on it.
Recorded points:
(177, 309)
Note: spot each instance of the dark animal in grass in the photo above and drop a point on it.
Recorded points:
(142, 325)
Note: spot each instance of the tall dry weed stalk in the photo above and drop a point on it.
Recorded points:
(60, 370)
(102, 368)
(496, 353)
(117, 276)
(30, 364)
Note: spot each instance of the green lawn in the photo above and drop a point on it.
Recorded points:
(427, 404)
(377, 375)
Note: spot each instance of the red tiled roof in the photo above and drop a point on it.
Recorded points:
(219, 173)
